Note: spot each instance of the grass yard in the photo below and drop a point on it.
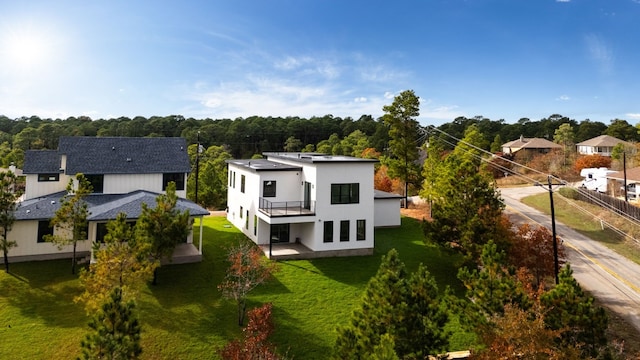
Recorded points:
(184, 316)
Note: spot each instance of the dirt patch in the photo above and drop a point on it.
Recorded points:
(417, 211)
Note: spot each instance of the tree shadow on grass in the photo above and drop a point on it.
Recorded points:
(44, 290)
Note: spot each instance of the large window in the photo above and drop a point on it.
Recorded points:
(345, 193)
(242, 182)
(44, 228)
(361, 229)
(328, 231)
(97, 182)
(48, 177)
(268, 188)
(177, 178)
(344, 230)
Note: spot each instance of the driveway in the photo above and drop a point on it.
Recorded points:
(611, 278)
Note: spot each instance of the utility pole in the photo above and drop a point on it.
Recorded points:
(553, 231)
(624, 168)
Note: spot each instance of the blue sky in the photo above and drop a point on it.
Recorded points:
(502, 59)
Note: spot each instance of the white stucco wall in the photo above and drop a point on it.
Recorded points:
(35, 188)
(125, 183)
(387, 212)
(25, 234)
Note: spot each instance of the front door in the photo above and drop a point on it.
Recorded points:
(279, 233)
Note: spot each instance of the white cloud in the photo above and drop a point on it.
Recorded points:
(563, 1)
(563, 98)
(634, 116)
(360, 99)
(389, 95)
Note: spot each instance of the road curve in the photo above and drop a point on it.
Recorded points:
(611, 278)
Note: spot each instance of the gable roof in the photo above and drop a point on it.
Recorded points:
(633, 175)
(602, 140)
(102, 207)
(111, 155)
(531, 143)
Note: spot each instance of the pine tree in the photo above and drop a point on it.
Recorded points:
(115, 331)
(8, 197)
(70, 221)
(164, 226)
(570, 309)
(404, 308)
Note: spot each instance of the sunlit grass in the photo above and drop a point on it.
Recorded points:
(184, 316)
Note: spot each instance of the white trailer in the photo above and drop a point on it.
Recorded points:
(595, 178)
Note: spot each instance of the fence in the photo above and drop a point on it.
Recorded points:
(617, 205)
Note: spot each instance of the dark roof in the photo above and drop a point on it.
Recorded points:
(41, 161)
(602, 140)
(102, 207)
(112, 155)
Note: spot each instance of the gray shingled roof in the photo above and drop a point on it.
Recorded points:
(112, 155)
(102, 207)
(602, 140)
(41, 162)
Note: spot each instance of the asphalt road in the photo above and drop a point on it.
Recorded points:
(611, 278)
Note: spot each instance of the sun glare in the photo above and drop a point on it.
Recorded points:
(26, 49)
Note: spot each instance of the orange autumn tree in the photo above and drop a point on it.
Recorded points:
(592, 161)
(382, 181)
(248, 268)
(532, 249)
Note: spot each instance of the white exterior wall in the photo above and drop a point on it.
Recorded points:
(387, 212)
(339, 173)
(247, 200)
(25, 234)
(125, 183)
(35, 188)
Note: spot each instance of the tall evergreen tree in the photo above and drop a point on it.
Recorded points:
(466, 211)
(115, 331)
(8, 197)
(163, 226)
(404, 309)
(70, 221)
(404, 132)
(570, 309)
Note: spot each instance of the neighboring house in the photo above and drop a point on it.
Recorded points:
(632, 179)
(600, 145)
(530, 145)
(325, 203)
(124, 173)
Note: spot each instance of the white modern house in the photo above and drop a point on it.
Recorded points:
(323, 203)
(124, 174)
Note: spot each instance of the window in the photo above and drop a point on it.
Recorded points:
(242, 180)
(246, 221)
(345, 193)
(230, 173)
(279, 233)
(177, 178)
(241, 210)
(101, 230)
(361, 229)
(97, 182)
(344, 230)
(233, 179)
(44, 228)
(255, 224)
(48, 177)
(268, 188)
(328, 231)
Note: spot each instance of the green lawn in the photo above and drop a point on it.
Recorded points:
(184, 316)
(585, 224)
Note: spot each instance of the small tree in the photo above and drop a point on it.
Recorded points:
(248, 268)
(115, 331)
(8, 204)
(254, 343)
(163, 227)
(532, 249)
(591, 161)
(70, 220)
(121, 262)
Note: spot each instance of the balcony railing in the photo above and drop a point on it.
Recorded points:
(287, 208)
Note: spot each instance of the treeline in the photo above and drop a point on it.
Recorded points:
(244, 137)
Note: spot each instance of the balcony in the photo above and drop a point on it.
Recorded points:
(287, 208)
